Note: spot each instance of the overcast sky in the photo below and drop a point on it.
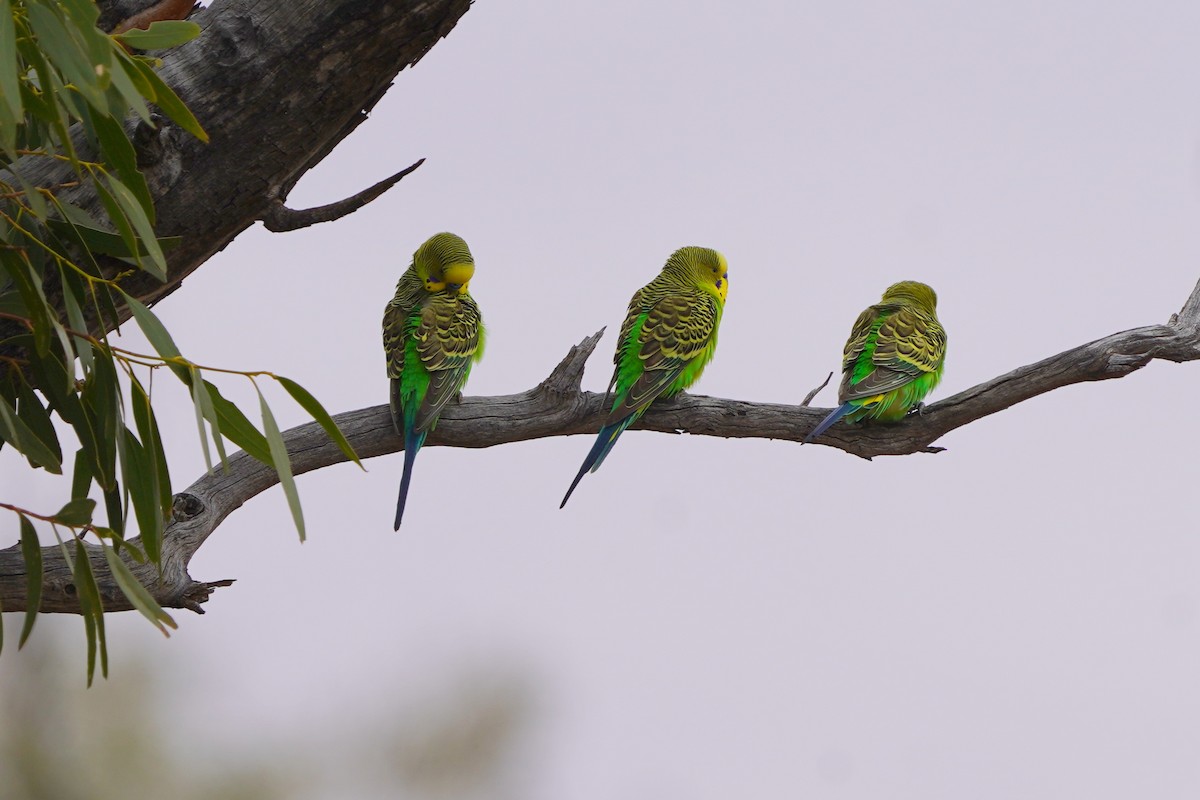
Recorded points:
(1015, 617)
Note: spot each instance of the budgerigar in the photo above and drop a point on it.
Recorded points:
(432, 334)
(668, 337)
(893, 359)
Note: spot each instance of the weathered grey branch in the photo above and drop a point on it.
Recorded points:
(558, 407)
(808, 398)
(280, 218)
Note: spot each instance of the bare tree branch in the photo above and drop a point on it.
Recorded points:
(808, 398)
(280, 219)
(558, 407)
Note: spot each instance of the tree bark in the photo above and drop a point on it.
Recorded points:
(558, 407)
(277, 86)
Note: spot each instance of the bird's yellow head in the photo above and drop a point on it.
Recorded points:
(703, 266)
(913, 292)
(444, 263)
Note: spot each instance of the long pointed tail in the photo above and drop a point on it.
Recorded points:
(833, 417)
(412, 443)
(595, 457)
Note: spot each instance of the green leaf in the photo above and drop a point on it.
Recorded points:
(52, 89)
(93, 610)
(97, 240)
(127, 81)
(166, 99)
(200, 399)
(81, 477)
(141, 222)
(160, 35)
(56, 380)
(237, 428)
(133, 70)
(31, 552)
(147, 425)
(67, 53)
(28, 282)
(83, 16)
(203, 399)
(120, 156)
(77, 321)
(283, 466)
(37, 203)
(141, 482)
(160, 340)
(116, 215)
(89, 627)
(38, 109)
(114, 507)
(142, 600)
(14, 133)
(10, 83)
(76, 513)
(105, 302)
(14, 431)
(101, 403)
(318, 412)
(129, 548)
(35, 416)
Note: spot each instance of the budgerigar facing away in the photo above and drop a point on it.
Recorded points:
(432, 334)
(894, 357)
(667, 338)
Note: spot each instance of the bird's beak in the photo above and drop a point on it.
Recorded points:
(458, 275)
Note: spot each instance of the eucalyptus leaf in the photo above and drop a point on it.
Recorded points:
(160, 35)
(283, 466)
(318, 412)
(137, 594)
(166, 99)
(93, 610)
(14, 431)
(77, 512)
(10, 86)
(31, 551)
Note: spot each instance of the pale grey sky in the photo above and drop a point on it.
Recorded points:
(1015, 617)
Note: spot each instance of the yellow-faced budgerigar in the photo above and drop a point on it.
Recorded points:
(894, 357)
(432, 334)
(668, 337)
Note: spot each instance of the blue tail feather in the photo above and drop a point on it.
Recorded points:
(412, 443)
(834, 416)
(604, 443)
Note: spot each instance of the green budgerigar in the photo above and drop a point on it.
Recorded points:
(432, 334)
(668, 337)
(893, 359)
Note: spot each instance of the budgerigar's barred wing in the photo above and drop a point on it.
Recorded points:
(909, 342)
(641, 302)
(409, 293)
(859, 334)
(448, 338)
(677, 329)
